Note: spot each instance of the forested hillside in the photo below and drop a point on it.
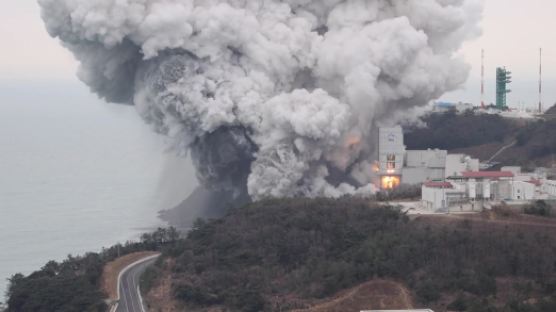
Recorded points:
(280, 255)
(481, 136)
(451, 131)
(286, 254)
(538, 139)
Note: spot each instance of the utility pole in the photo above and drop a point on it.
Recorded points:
(483, 78)
(540, 81)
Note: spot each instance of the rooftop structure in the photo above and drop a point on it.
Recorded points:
(476, 190)
(487, 174)
(442, 185)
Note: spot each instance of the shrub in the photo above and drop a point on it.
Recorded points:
(428, 291)
(539, 208)
(460, 304)
(451, 131)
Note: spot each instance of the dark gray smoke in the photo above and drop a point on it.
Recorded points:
(271, 97)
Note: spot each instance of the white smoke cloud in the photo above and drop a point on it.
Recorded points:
(272, 97)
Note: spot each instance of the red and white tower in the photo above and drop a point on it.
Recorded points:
(483, 78)
(540, 81)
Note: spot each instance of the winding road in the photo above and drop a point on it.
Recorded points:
(130, 299)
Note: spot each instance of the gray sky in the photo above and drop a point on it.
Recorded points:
(513, 31)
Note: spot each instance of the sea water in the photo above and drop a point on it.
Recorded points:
(77, 174)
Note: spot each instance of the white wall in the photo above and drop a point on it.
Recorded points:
(455, 165)
(434, 198)
(472, 189)
(428, 158)
(523, 191)
(421, 175)
(549, 187)
(476, 189)
(504, 190)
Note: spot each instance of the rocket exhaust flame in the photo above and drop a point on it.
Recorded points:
(263, 93)
(353, 141)
(390, 182)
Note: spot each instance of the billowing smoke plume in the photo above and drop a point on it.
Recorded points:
(271, 97)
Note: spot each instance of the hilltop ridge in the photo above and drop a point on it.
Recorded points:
(532, 142)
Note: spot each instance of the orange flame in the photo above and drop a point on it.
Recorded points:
(352, 141)
(390, 182)
(376, 167)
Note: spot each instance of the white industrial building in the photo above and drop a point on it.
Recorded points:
(472, 190)
(454, 181)
(437, 196)
(421, 166)
(548, 187)
(396, 165)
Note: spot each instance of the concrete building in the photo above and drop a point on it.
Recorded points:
(438, 196)
(523, 191)
(454, 181)
(548, 187)
(473, 190)
(486, 185)
(421, 166)
(396, 165)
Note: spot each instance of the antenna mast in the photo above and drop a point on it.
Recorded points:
(540, 81)
(483, 78)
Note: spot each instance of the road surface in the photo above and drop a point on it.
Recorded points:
(500, 151)
(128, 286)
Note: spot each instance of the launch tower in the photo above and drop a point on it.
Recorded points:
(503, 78)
